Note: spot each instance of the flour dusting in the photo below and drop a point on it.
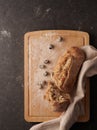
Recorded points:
(37, 11)
(5, 33)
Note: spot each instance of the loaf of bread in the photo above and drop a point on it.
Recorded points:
(61, 89)
(67, 68)
(58, 99)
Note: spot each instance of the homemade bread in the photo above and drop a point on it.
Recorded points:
(62, 87)
(67, 68)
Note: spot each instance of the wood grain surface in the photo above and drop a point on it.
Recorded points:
(36, 50)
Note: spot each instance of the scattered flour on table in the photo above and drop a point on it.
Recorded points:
(48, 10)
(5, 34)
(39, 11)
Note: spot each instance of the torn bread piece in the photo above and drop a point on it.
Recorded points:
(58, 99)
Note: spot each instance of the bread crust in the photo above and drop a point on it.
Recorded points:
(65, 72)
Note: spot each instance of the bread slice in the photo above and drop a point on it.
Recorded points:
(67, 68)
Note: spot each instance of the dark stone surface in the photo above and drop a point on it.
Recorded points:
(20, 16)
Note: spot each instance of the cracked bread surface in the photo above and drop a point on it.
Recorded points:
(65, 72)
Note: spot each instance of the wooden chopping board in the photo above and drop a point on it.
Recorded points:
(36, 50)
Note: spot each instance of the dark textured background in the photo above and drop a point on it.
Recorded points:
(20, 16)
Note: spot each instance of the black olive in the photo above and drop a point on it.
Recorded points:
(42, 84)
(51, 46)
(60, 39)
(46, 61)
(45, 73)
(41, 66)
